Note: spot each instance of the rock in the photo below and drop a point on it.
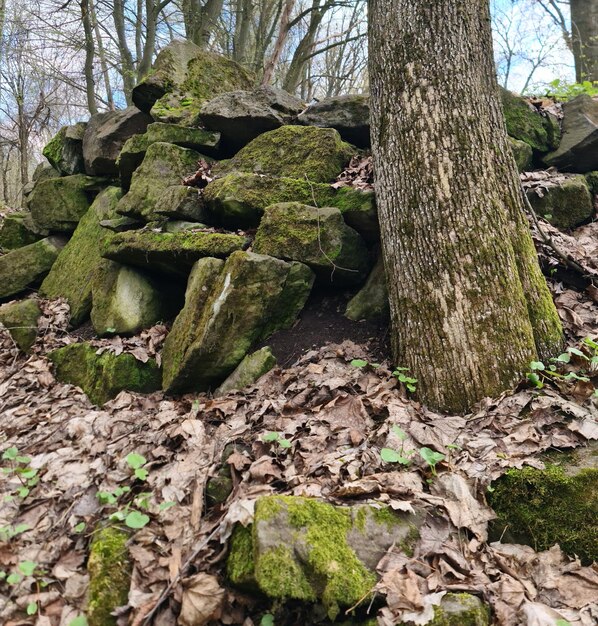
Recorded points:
(72, 275)
(121, 224)
(304, 152)
(241, 116)
(17, 230)
(110, 568)
(43, 171)
(211, 336)
(105, 136)
(180, 201)
(169, 253)
(565, 205)
(578, 150)
(349, 114)
(238, 200)
(592, 180)
(133, 152)
(525, 123)
(104, 376)
(20, 319)
(164, 165)
(371, 301)
(317, 237)
(26, 266)
(220, 486)
(65, 150)
(178, 226)
(558, 504)
(459, 609)
(59, 203)
(308, 550)
(523, 154)
(183, 77)
(125, 301)
(249, 370)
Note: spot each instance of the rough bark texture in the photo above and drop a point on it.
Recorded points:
(584, 35)
(468, 302)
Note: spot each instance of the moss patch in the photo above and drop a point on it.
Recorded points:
(20, 319)
(17, 230)
(110, 569)
(459, 609)
(240, 565)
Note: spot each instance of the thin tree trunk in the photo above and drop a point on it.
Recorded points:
(102, 56)
(127, 67)
(89, 57)
(468, 302)
(283, 32)
(242, 25)
(584, 35)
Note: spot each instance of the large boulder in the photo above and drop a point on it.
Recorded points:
(20, 319)
(58, 204)
(238, 200)
(25, 267)
(308, 550)
(349, 114)
(304, 152)
(72, 275)
(315, 236)
(241, 116)
(103, 376)
(526, 123)
(125, 300)
(17, 230)
(180, 202)
(65, 150)
(229, 307)
(523, 153)
(105, 136)
(169, 253)
(134, 150)
(164, 165)
(566, 204)
(371, 301)
(557, 504)
(183, 77)
(578, 150)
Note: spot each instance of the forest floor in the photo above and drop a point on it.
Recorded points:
(337, 415)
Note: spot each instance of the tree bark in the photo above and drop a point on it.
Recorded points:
(469, 307)
(584, 36)
(127, 66)
(89, 57)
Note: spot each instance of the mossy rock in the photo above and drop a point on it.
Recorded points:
(317, 237)
(238, 200)
(65, 150)
(164, 165)
(17, 230)
(169, 253)
(309, 550)
(125, 301)
(20, 319)
(72, 275)
(228, 308)
(523, 153)
(183, 77)
(182, 202)
(459, 609)
(27, 266)
(526, 124)
(565, 205)
(249, 370)
(558, 504)
(592, 180)
(371, 301)
(307, 153)
(110, 568)
(104, 376)
(58, 204)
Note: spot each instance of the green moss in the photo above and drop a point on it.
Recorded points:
(523, 154)
(566, 205)
(544, 507)
(240, 565)
(53, 149)
(592, 180)
(461, 609)
(280, 576)
(20, 319)
(110, 569)
(300, 152)
(17, 230)
(103, 376)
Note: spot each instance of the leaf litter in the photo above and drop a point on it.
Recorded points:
(337, 418)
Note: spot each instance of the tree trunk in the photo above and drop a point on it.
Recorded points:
(102, 56)
(584, 35)
(126, 66)
(89, 57)
(469, 306)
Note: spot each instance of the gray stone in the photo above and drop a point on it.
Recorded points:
(523, 154)
(241, 116)
(180, 201)
(349, 114)
(249, 370)
(65, 150)
(20, 319)
(105, 136)
(578, 150)
(317, 237)
(17, 230)
(371, 301)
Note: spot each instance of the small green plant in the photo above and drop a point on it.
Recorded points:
(361, 364)
(20, 468)
(400, 373)
(27, 569)
(388, 455)
(81, 620)
(136, 462)
(273, 437)
(267, 620)
(8, 532)
(431, 457)
(540, 373)
(563, 91)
